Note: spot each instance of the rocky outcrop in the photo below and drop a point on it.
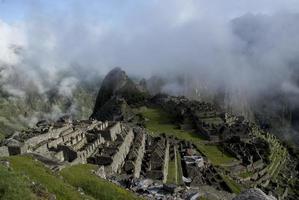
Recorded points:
(117, 90)
(115, 109)
(254, 194)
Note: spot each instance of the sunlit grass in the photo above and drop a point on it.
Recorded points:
(158, 121)
(81, 176)
(36, 172)
(14, 186)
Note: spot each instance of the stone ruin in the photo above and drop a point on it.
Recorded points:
(218, 127)
(204, 117)
(254, 151)
(122, 151)
(197, 171)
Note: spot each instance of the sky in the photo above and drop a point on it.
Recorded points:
(249, 46)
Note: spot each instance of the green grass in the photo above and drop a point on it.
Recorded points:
(38, 173)
(16, 182)
(172, 172)
(159, 121)
(235, 187)
(81, 176)
(246, 174)
(278, 153)
(215, 154)
(13, 186)
(175, 170)
(1, 137)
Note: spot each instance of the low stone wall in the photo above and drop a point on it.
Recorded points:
(138, 161)
(35, 141)
(166, 161)
(111, 132)
(88, 151)
(124, 149)
(4, 151)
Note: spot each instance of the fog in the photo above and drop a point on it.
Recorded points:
(245, 48)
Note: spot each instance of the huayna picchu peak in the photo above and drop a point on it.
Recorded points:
(152, 147)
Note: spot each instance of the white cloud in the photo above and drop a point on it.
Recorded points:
(11, 38)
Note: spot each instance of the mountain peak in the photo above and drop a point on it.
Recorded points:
(118, 84)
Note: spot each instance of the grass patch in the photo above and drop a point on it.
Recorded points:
(175, 170)
(235, 187)
(1, 137)
(15, 182)
(81, 176)
(172, 171)
(215, 154)
(158, 121)
(38, 173)
(13, 186)
(246, 174)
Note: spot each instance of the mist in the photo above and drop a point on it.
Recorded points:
(246, 49)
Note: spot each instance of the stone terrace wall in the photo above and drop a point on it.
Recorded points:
(166, 161)
(124, 149)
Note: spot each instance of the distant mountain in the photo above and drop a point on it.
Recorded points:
(20, 112)
(118, 91)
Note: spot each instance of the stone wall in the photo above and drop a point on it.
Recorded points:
(124, 149)
(88, 151)
(166, 161)
(111, 132)
(4, 151)
(138, 161)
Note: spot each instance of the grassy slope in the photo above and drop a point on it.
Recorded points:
(81, 176)
(38, 173)
(13, 186)
(160, 122)
(24, 170)
(235, 187)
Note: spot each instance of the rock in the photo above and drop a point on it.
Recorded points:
(4, 151)
(253, 194)
(115, 109)
(118, 84)
(193, 196)
(171, 188)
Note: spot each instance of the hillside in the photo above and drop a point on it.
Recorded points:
(17, 114)
(157, 146)
(25, 178)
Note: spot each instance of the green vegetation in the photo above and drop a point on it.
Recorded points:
(1, 137)
(246, 174)
(81, 176)
(38, 173)
(215, 154)
(13, 186)
(16, 113)
(159, 121)
(278, 153)
(235, 187)
(172, 172)
(75, 182)
(175, 170)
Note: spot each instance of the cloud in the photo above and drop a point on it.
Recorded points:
(215, 44)
(11, 38)
(66, 86)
